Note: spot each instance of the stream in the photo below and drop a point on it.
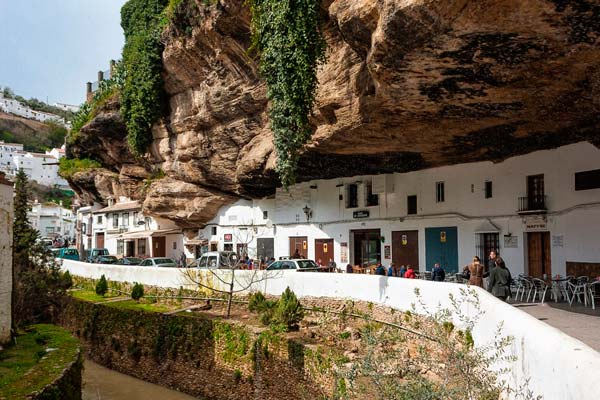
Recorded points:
(100, 383)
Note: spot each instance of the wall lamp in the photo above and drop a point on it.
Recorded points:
(307, 212)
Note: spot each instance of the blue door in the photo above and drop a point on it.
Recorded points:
(441, 245)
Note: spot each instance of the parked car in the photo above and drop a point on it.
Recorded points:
(95, 253)
(298, 265)
(129, 261)
(47, 242)
(66, 253)
(218, 259)
(158, 262)
(106, 260)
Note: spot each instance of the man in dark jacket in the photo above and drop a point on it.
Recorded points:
(438, 274)
(380, 270)
(499, 280)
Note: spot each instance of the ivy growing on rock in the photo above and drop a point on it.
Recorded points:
(142, 95)
(290, 46)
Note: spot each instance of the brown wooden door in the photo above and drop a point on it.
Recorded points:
(405, 248)
(324, 250)
(100, 240)
(538, 254)
(299, 243)
(159, 246)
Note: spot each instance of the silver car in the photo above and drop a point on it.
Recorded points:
(298, 265)
(158, 262)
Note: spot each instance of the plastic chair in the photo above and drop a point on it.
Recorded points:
(577, 289)
(594, 292)
(539, 287)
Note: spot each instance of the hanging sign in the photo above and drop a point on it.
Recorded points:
(443, 236)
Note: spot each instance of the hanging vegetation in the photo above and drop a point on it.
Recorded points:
(290, 46)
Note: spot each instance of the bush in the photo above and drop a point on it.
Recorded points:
(66, 280)
(256, 302)
(68, 167)
(138, 291)
(102, 286)
(288, 312)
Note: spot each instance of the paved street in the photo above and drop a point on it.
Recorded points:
(579, 325)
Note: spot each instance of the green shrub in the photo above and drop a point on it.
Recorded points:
(288, 312)
(101, 286)
(256, 302)
(138, 291)
(66, 280)
(266, 314)
(68, 167)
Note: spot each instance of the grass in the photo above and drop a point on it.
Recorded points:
(142, 306)
(27, 366)
(90, 295)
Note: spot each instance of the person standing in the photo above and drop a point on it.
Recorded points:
(491, 264)
(390, 270)
(332, 265)
(410, 273)
(438, 274)
(476, 270)
(380, 270)
(499, 282)
(402, 271)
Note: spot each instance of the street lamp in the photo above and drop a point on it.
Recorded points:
(307, 212)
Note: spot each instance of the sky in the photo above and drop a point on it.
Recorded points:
(49, 49)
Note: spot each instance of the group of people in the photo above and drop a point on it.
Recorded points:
(495, 276)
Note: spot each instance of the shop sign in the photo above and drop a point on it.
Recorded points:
(361, 214)
(511, 242)
(535, 224)
(228, 237)
(558, 241)
(387, 252)
(304, 245)
(443, 236)
(344, 252)
(404, 240)
(324, 247)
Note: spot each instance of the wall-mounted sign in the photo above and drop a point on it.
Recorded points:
(228, 237)
(443, 237)
(404, 240)
(304, 245)
(558, 241)
(324, 247)
(361, 214)
(511, 242)
(535, 224)
(344, 252)
(387, 252)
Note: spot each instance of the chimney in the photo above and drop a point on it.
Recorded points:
(88, 91)
(100, 76)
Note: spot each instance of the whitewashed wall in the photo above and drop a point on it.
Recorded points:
(558, 366)
(6, 219)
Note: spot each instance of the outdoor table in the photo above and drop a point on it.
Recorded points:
(557, 284)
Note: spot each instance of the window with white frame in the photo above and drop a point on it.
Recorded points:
(125, 217)
(115, 220)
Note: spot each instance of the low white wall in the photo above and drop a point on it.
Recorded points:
(558, 366)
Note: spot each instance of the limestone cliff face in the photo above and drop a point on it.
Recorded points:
(408, 84)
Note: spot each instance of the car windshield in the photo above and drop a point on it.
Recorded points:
(163, 261)
(70, 252)
(108, 258)
(133, 260)
(229, 260)
(303, 264)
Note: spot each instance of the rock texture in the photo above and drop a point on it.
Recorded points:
(408, 84)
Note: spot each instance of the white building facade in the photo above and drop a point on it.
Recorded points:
(7, 152)
(12, 106)
(540, 211)
(53, 221)
(42, 168)
(6, 220)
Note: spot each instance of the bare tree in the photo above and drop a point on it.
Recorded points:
(229, 271)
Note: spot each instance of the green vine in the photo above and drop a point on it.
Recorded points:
(290, 45)
(143, 95)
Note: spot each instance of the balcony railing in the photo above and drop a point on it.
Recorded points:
(532, 204)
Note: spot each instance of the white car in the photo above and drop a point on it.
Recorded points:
(218, 259)
(298, 265)
(158, 262)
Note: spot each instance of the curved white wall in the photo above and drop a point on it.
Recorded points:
(558, 366)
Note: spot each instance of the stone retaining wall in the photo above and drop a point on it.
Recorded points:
(67, 386)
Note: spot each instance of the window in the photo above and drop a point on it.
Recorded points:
(141, 247)
(486, 243)
(587, 180)
(411, 204)
(115, 220)
(371, 199)
(265, 215)
(439, 192)
(125, 217)
(99, 219)
(120, 246)
(488, 189)
(352, 195)
(213, 230)
(174, 245)
(135, 218)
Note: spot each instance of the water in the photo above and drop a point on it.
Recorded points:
(101, 383)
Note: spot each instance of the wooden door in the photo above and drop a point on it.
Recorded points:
(405, 248)
(299, 243)
(159, 246)
(100, 240)
(538, 254)
(130, 248)
(324, 250)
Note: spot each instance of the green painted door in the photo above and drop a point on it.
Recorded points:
(441, 245)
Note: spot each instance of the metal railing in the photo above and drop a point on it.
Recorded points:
(532, 203)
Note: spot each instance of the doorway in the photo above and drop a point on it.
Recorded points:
(100, 240)
(441, 246)
(538, 255)
(159, 246)
(299, 244)
(265, 248)
(367, 247)
(324, 250)
(129, 248)
(405, 248)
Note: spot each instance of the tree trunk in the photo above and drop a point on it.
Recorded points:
(229, 300)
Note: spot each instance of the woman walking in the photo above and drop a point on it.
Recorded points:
(499, 283)
(476, 270)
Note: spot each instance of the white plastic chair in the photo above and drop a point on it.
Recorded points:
(577, 289)
(593, 292)
(539, 287)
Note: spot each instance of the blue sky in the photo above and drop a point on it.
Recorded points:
(51, 48)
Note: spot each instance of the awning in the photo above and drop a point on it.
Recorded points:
(487, 227)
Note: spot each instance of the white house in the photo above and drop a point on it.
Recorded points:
(42, 168)
(12, 106)
(541, 211)
(52, 220)
(125, 231)
(7, 152)
(67, 107)
(6, 218)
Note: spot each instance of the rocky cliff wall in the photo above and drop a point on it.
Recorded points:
(408, 84)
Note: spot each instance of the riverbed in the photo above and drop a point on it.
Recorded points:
(100, 383)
